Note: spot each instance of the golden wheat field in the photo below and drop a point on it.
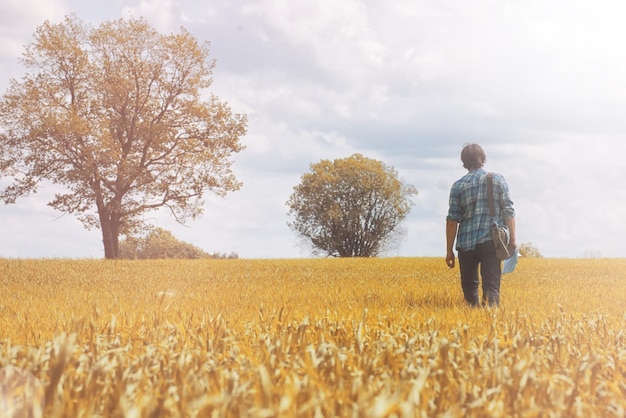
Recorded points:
(388, 337)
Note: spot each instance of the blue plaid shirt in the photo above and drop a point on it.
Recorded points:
(470, 208)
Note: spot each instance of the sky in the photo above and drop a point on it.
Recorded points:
(541, 85)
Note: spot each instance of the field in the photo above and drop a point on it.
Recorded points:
(312, 338)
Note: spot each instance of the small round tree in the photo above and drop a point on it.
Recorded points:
(350, 207)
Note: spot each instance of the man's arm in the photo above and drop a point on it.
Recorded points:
(451, 227)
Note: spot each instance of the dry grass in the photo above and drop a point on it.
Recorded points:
(338, 337)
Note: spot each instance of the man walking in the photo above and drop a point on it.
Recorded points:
(469, 222)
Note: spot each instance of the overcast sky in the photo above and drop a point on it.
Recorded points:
(541, 85)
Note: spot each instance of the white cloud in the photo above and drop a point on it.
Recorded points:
(18, 20)
(539, 84)
(163, 14)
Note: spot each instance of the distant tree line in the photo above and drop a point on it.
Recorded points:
(528, 249)
(159, 243)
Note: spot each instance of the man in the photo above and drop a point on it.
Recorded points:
(469, 222)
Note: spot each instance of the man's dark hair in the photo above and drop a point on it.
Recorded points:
(473, 156)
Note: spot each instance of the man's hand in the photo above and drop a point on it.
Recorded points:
(451, 227)
(450, 259)
(510, 223)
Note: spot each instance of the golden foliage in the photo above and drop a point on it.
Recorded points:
(319, 337)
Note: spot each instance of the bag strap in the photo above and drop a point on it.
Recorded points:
(492, 209)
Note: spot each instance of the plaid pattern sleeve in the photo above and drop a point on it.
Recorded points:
(506, 204)
(469, 207)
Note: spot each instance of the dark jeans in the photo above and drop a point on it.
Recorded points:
(485, 256)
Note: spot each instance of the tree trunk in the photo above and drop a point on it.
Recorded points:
(110, 241)
(109, 224)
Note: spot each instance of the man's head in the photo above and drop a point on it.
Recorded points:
(473, 156)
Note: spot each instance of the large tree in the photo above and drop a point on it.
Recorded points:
(118, 116)
(349, 207)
